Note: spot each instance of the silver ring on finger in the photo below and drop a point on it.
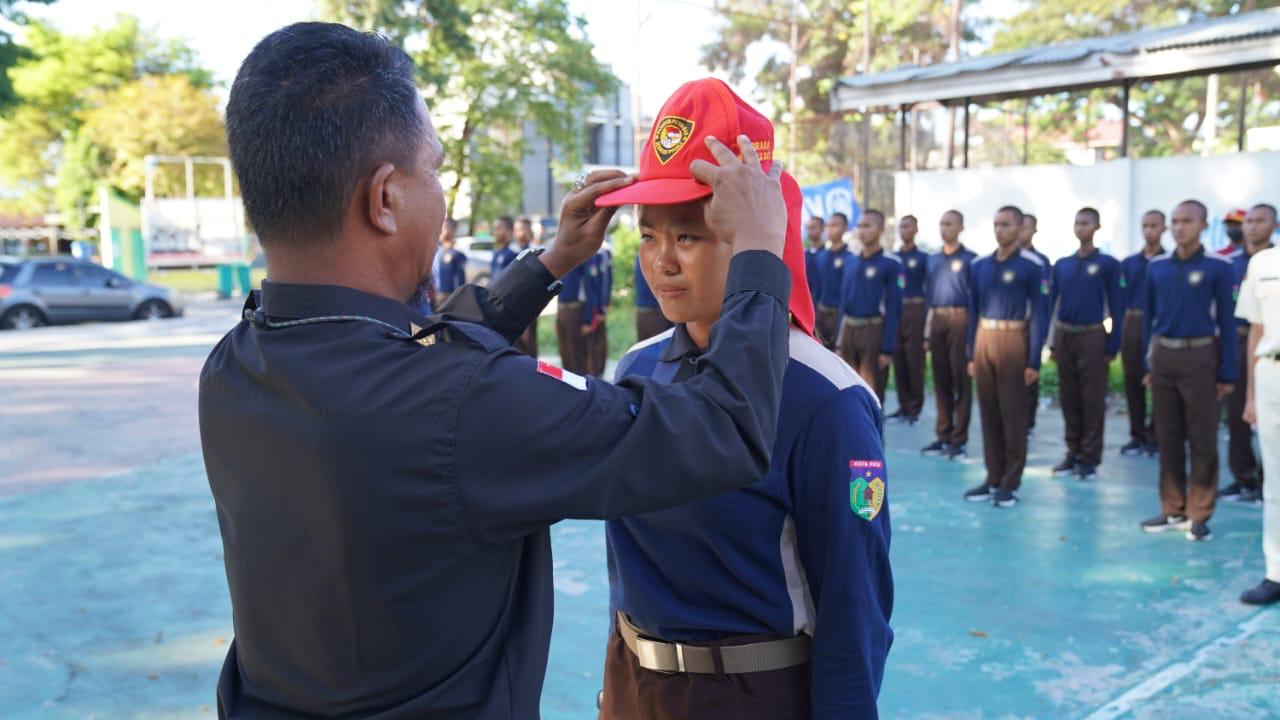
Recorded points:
(580, 182)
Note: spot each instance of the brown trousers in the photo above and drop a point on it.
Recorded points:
(1240, 457)
(1000, 363)
(1183, 389)
(597, 349)
(1132, 352)
(573, 349)
(908, 359)
(633, 693)
(860, 347)
(650, 322)
(1033, 403)
(527, 343)
(828, 326)
(952, 387)
(1082, 390)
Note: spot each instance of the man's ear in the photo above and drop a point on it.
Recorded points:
(381, 200)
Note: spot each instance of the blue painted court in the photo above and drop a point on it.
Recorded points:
(115, 603)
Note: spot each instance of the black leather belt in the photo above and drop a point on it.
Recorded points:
(671, 657)
(1069, 328)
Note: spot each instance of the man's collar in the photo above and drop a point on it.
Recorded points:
(289, 301)
(879, 251)
(680, 346)
(1199, 253)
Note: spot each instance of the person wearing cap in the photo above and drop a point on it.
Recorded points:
(527, 343)
(383, 559)
(1133, 352)
(451, 263)
(947, 327)
(908, 354)
(870, 305)
(1259, 306)
(649, 318)
(831, 264)
(595, 337)
(814, 245)
(1233, 225)
(1008, 317)
(710, 618)
(1191, 366)
(1246, 471)
(1084, 289)
(1026, 239)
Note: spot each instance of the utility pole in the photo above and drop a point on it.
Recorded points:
(953, 55)
(866, 111)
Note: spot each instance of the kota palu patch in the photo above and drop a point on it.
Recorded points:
(866, 488)
(672, 134)
(573, 380)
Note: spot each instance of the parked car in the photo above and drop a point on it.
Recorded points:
(479, 252)
(53, 290)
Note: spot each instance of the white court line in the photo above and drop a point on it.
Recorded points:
(1174, 672)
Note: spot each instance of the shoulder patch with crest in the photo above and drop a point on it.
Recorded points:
(866, 488)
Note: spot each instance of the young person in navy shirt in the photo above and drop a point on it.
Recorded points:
(947, 322)
(813, 228)
(451, 264)
(870, 304)
(908, 353)
(831, 264)
(1026, 239)
(1133, 279)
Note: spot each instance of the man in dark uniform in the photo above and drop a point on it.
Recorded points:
(813, 249)
(908, 356)
(527, 343)
(1008, 316)
(1026, 240)
(1133, 277)
(831, 264)
(870, 303)
(595, 335)
(503, 255)
(649, 319)
(383, 560)
(1259, 226)
(947, 328)
(451, 264)
(1084, 289)
(1190, 370)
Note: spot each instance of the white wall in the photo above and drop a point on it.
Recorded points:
(1121, 190)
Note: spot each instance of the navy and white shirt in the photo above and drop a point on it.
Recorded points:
(1016, 288)
(1133, 279)
(811, 272)
(502, 257)
(1044, 259)
(1085, 290)
(831, 264)
(804, 550)
(872, 286)
(947, 279)
(1193, 298)
(915, 269)
(450, 270)
(644, 294)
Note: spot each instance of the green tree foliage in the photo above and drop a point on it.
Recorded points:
(488, 67)
(10, 52)
(89, 107)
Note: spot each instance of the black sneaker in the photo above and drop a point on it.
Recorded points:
(1066, 467)
(1199, 532)
(1251, 496)
(1164, 523)
(1266, 593)
(955, 452)
(1084, 470)
(982, 493)
(1133, 447)
(937, 447)
(1151, 450)
(1005, 499)
(1231, 493)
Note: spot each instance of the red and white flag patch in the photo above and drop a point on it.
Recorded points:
(573, 380)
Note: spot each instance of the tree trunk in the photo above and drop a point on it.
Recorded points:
(459, 165)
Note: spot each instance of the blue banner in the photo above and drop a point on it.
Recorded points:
(833, 197)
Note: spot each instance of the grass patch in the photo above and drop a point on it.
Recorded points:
(201, 280)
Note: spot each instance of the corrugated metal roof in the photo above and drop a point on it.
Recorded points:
(1233, 28)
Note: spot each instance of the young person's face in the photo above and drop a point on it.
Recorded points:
(1006, 226)
(1187, 222)
(1086, 226)
(907, 230)
(683, 261)
(1152, 227)
(950, 226)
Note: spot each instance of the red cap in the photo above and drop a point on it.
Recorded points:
(698, 110)
(1236, 216)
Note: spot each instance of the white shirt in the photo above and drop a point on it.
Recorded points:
(1259, 301)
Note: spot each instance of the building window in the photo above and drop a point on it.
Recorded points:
(595, 145)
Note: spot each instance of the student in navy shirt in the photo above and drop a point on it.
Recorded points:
(1007, 320)
(947, 326)
(595, 338)
(813, 228)
(795, 566)
(1084, 289)
(1190, 330)
(649, 319)
(870, 304)
(1026, 239)
(1133, 279)
(527, 343)
(908, 354)
(831, 264)
(451, 264)
(503, 255)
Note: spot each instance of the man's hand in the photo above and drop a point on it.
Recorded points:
(1250, 414)
(1224, 389)
(582, 224)
(885, 360)
(970, 369)
(1030, 375)
(746, 207)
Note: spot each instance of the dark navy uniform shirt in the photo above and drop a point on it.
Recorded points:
(947, 280)
(1086, 290)
(502, 257)
(915, 270)
(644, 294)
(812, 273)
(1044, 260)
(804, 550)
(1133, 279)
(872, 286)
(1193, 298)
(383, 558)
(1016, 288)
(831, 264)
(451, 270)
